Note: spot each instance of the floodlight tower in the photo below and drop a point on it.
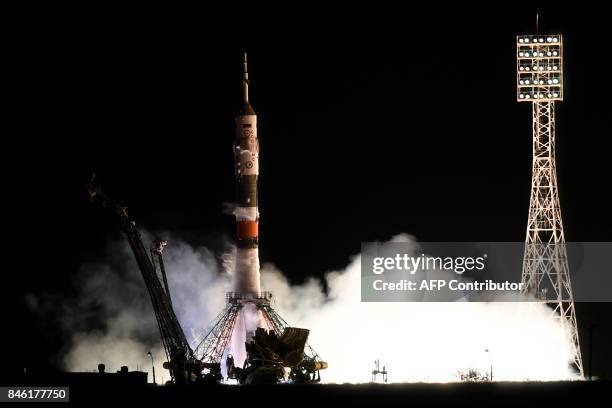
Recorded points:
(539, 68)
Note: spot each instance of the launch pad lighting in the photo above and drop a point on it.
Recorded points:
(539, 61)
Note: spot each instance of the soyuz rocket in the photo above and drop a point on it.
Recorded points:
(246, 159)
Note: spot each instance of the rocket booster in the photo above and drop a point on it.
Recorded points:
(246, 159)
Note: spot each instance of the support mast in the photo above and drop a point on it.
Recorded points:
(545, 266)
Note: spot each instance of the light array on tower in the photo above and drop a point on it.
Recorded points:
(539, 68)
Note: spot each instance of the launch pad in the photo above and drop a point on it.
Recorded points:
(275, 352)
(282, 347)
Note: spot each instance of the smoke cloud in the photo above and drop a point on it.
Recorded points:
(111, 321)
(429, 342)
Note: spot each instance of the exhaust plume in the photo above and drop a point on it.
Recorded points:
(111, 321)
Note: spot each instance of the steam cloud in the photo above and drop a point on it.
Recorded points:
(111, 321)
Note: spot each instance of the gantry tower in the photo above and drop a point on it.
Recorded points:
(539, 63)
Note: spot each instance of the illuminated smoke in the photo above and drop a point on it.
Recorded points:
(247, 321)
(110, 320)
(421, 341)
(416, 341)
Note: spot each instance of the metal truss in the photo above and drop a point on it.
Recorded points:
(214, 342)
(545, 266)
(215, 339)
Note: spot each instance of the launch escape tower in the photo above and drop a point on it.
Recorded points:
(539, 63)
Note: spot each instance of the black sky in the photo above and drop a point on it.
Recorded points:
(371, 123)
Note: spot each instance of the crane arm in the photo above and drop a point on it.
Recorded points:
(178, 351)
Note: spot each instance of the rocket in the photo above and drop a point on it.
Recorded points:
(246, 159)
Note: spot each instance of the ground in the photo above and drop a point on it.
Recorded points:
(461, 394)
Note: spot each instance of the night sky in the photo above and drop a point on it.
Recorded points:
(371, 123)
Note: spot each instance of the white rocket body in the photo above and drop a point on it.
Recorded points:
(246, 273)
(246, 158)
